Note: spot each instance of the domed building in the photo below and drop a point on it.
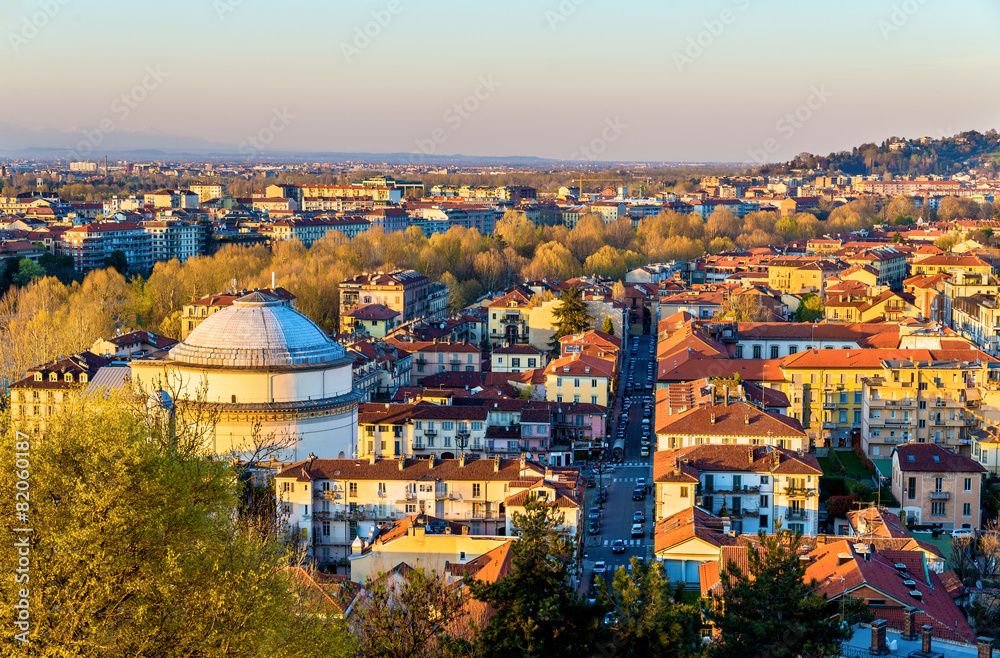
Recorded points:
(270, 373)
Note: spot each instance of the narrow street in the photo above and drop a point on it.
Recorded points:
(616, 516)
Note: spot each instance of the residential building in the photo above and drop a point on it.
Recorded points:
(755, 487)
(729, 423)
(330, 503)
(580, 378)
(403, 291)
(517, 358)
(91, 243)
(47, 389)
(508, 318)
(375, 320)
(134, 343)
(930, 401)
(208, 191)
(432, 358)
(935, 485)
(175, 239)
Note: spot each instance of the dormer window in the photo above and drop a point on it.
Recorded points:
(565, 368)
(83, 378)
(68, 377)
(38, 376)
(53, 377)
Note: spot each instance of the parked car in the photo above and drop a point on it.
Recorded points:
(601, 567)
(595, 528)
(638, 516)
(637, 530)
(617, 546)
(640, 482)
(644, 452)
(639, 494)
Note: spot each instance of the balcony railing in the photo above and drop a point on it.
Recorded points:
(940, 495)
(796, 515)
(799, 491)
(326, 495)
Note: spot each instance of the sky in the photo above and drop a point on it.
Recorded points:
(717, 80)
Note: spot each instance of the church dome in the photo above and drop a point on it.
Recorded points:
(257, 332)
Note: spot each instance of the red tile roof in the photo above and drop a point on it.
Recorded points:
(734, 419)
(932, 458)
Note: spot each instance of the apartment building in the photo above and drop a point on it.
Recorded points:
(208, 191)
(330, 503)
(375, 320)
(580, 378)
(175, 239)
(91, 243)
(508, 318)
(728, 423)
(801, 275)
(422, 430)
(432, 358)
(46, 389)
(755, 487)
(951, 263)
(517, 358)
(935, 485)
(403, 291)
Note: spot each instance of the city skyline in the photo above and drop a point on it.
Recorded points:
(728, 81)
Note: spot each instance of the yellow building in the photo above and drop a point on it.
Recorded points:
(421, 542)
(208, 191)
(933, 401)
(950, 263)
(198, 311)
(46, 389)
(579, 378)
(800, 276)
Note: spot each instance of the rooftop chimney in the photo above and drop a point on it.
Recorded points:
(878, 637)
(461, 459)
(726, 525)
(713, 418)
(431, 459)
(984, 647)
(524, 459)
(496, 464)
(925, 639)
(909, 633)
(402, 463)
(371, 458)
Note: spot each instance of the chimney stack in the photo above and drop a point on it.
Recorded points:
(461, 459)
(909, 633)
(984, 647)
(925, 639)
(431, 459)
(726, 525)
(371, 458)
(496, 464)
(401, 462)
(878, 647)
(713, 418)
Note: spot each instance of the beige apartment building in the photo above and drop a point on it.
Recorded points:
(935, 485)
(329, 503)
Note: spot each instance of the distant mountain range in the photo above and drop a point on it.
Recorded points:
(895, 155)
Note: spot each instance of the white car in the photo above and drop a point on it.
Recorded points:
(962, 533)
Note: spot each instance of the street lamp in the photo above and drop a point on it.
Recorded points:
(462, 439)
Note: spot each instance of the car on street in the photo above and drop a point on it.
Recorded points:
(637, 530)
(963, 533)
(638, 516)
(640, 482)
(617, 547)
(595, 515)
(644, 452)
(595, 528)
(601, 567)
(602, 495)
(639, 494)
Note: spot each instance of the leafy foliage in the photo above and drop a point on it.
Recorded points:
(770, 610)
(537, 610)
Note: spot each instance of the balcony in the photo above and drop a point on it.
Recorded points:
(430, 432)
(796, 515)
(418, 446)
(940, 495)
(896, 421)
(830, 404)
(829, 425)
(800, 492)
(326, 495)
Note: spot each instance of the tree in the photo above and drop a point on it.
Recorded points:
(537, 611)
(897, 238)
(770, 610)
(117, 260)
(810, 309)
(27, 271)
(650, 619)
(608, 327)
(407, 613)
(744, 307)
(946, 242)
(137, 547)
(618, 292)
(570, 316)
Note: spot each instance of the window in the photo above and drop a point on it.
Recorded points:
(938, 482)
(764, 479)
(576, 382)
(352, 489)
(764, 500)
(475, 489)
(922, 404)
(447, 425)
(515, 362)
(576, 398)
(937, 509)
(857, 415)
(967, 509)
(843, 397)
(558, 381)
(774, 351)
(843, 417)
(921, 423)
(857, 397)
(756, 351)
(968, 484)
(739, 352)
(593, 399)
(911, 488)
(684, 492)
(477, 425)
(793, 349)
(531, 362)
(593, 383)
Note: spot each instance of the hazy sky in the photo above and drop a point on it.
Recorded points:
(641, 80)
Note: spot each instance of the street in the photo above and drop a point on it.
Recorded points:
(616, 516)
